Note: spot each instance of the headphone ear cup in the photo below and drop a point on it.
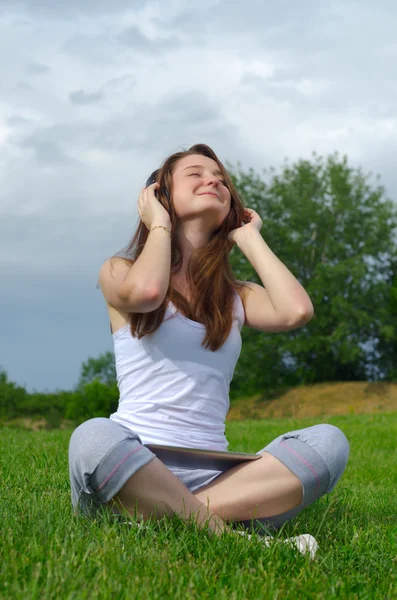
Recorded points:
(152, 179)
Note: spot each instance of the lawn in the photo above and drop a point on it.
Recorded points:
(49, 553)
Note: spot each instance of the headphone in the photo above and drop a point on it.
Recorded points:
(153, 179)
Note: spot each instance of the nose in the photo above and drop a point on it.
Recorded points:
(211, 179)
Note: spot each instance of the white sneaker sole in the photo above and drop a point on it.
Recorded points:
(305, 543)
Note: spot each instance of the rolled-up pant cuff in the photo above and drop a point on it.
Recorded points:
(119, 464)
(305, 463)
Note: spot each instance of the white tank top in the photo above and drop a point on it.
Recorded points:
(173, 390)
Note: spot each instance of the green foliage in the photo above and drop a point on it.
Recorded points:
(387, 346)
(93, 399)
(11, 397)
(102, 368)
(96, 394)
(335, 234)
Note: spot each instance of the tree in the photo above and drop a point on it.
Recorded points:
(93, 399)
(12, 397)
(96, 394)
(334, 232)
(386, 348)
(101, 368)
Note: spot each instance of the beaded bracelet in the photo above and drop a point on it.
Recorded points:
(162, 227)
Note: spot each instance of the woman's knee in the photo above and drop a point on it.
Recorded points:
(95, 433)
(97, 423)
(84, 443)
(332, 445)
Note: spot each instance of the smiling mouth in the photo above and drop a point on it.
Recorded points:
(209, 194)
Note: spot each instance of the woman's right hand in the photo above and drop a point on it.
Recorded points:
(150, 210)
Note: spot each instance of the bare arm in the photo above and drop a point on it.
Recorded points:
(139, 287)
(151, 271)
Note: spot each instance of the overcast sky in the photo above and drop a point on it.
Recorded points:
(95, 94)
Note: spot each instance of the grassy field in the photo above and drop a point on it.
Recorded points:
(46, 552)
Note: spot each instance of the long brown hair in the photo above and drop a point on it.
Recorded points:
(209, 273)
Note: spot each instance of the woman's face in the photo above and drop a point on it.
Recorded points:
(199, 191)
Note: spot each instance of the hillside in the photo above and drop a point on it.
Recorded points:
(319, 400)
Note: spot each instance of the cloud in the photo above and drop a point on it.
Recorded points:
(34, 68)
(114, 45)
(24, 86)
(18, 121)
(81, 97)
(46, 151)
(134, 131)
(58, 9)
(135, 39)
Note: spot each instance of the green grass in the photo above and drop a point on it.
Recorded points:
(47, 552)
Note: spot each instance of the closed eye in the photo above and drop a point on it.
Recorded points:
(221, 180)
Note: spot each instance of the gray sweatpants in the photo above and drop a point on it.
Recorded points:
(103, 455)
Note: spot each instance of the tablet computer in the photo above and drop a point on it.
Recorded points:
(198, 458)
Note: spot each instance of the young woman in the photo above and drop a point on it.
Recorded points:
(176, 314)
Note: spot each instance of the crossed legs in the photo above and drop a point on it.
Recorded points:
(293, 470)
(257, 489)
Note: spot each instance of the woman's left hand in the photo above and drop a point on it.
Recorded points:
(251, 221)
